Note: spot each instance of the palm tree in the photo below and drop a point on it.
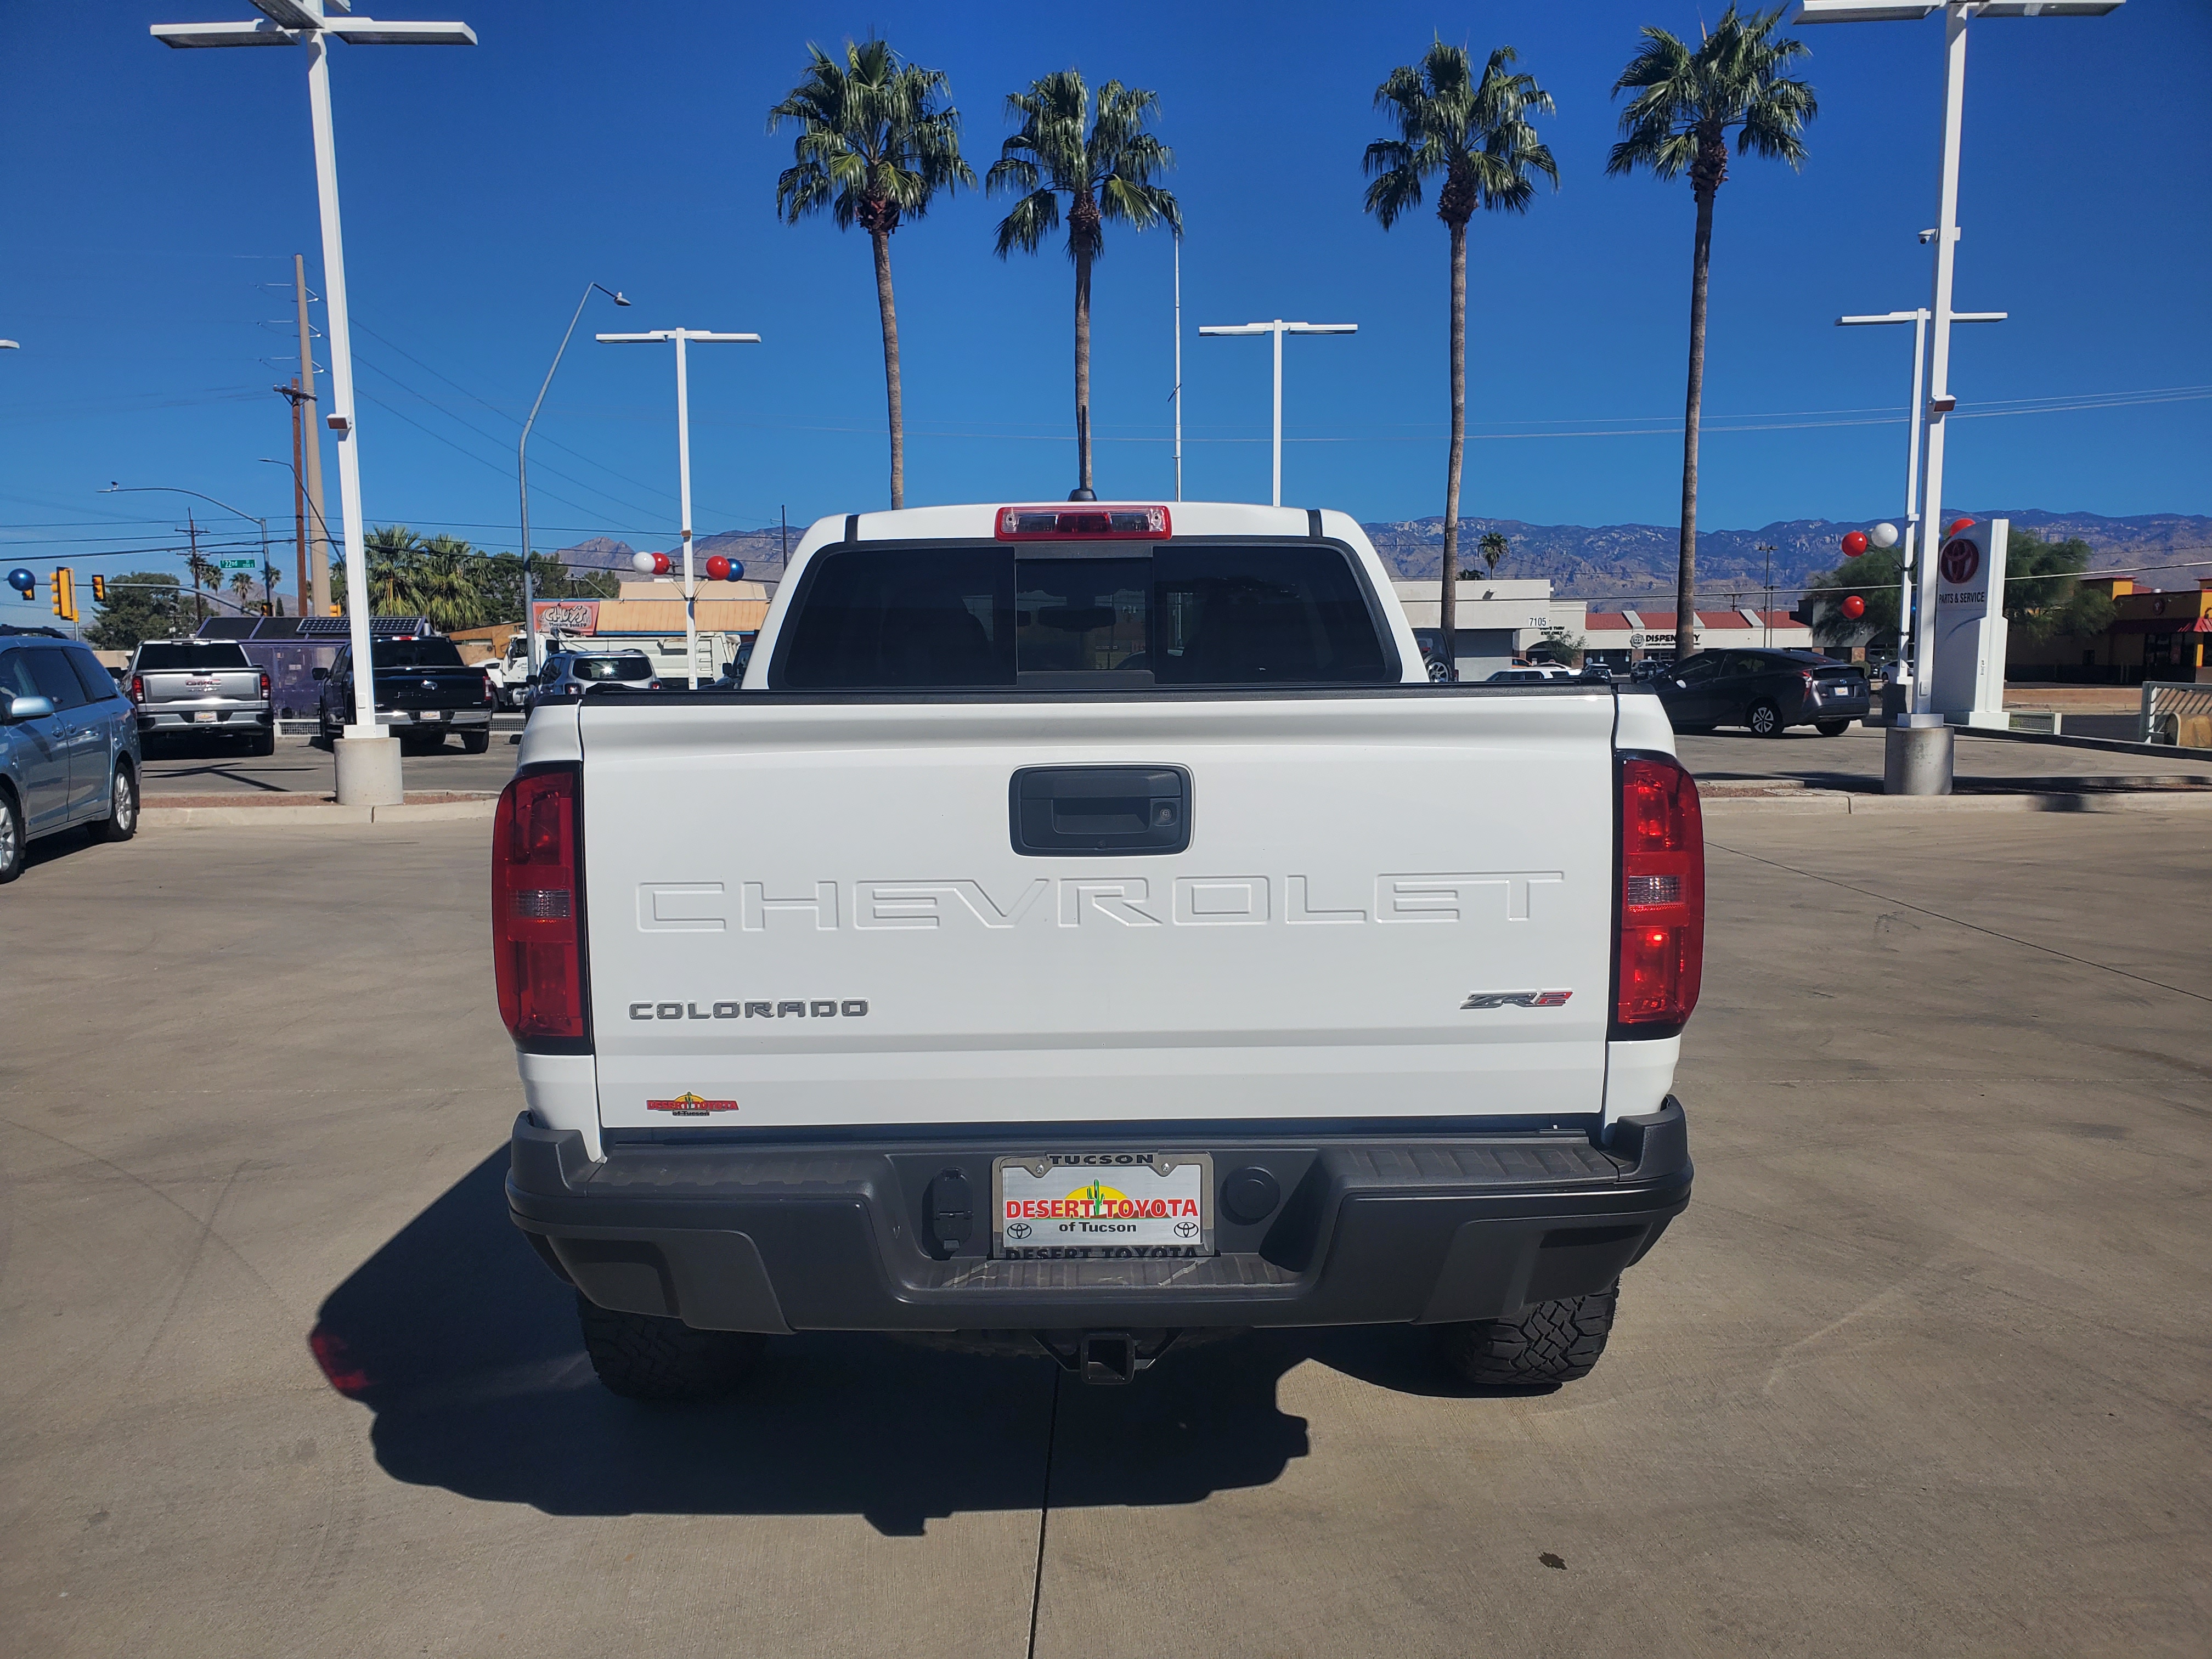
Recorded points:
(1685, 102)
(1493, 546)
(242, 585)
(1474, 131)
(1103, 164)
(875, 145)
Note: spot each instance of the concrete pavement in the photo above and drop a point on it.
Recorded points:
(1854, 760)
(1923, 1370)
(301, 765)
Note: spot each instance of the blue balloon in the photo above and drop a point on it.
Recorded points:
(737, 571)
(22, 579)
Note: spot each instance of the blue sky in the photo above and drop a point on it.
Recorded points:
(154, 200)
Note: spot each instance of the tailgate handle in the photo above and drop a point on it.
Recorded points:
(1091, 810)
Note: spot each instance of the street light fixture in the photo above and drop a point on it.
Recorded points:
(1278, 328)
(682, 336)
(367, 762)
(522, 470)
(1940, 399)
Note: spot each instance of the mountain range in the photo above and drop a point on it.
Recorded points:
(1614, 565)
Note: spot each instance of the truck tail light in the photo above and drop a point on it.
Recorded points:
(137, 687)
(1084, 523)
(1659, 853)
(537, 897)
(264, 688)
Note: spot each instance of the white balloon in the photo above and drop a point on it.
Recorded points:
(1883, 535)
(642, 563)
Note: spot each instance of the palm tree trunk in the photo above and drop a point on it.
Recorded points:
(891, 392)
(1448, 609)
(1083, 371)
(1686, 574)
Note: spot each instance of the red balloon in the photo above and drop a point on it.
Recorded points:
(1855, 543)
(717, 568)
(660, 564)
(1854, 607)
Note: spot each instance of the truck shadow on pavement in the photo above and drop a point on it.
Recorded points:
(465, 1349)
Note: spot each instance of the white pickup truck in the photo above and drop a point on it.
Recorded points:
(1087, 926)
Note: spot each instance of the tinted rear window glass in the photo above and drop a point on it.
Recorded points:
(416, 653)
(612, 668)
(1175, 616)
(190, 656)
(15, 674)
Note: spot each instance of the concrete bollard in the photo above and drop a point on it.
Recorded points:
(368, 772)
(1916, 756)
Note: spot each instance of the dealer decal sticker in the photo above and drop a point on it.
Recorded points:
(690, 1105)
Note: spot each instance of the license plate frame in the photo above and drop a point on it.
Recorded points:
(1178, 1178)
(203, 714)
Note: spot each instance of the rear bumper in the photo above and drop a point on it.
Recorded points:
(435, 719)
(787, 1237)
(230, 717)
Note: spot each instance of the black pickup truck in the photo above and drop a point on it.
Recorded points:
(424, 692)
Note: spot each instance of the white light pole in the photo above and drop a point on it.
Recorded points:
(1909, 563)
(368, 770)
(522, 472)
(1940, 399)
(682, 336)
(1280, 328)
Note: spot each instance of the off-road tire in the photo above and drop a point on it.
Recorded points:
(13, 838)
(122, 820)
(640, 1357)
(1763, 719)
(475, 743)
(1832, 728)
(1548, 1342)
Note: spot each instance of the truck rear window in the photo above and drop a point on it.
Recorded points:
(417, 654)
(885, 617)
(153, 657)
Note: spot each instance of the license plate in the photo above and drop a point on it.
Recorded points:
(1101, 1205)
(203, 714)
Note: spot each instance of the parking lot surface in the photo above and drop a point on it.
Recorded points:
(1925, 1368)
(301, 765)
(1854, 760)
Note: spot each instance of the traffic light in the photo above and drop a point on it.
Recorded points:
(100, 590)
(64, 593)
(267, 609)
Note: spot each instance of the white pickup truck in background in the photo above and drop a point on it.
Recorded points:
(1086, 925)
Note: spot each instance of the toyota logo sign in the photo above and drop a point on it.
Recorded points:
(1958, 561)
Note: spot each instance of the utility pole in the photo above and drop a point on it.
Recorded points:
(783, 542)
(318, 572)
(300, 508)
(192, 563)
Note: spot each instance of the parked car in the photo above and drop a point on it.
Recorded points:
(1431, 642)
(569, 674)
(1053, 946)
(1650, 670)
(200, 689)
(68, 747)
(1530, 673)
(1769, 691)
(424, 692)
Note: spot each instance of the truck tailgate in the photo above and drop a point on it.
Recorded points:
(206, 686)
(808, 912)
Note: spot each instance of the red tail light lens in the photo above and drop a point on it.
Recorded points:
(137, 687)
(264, 688)
(537, 933)
(1662, 861)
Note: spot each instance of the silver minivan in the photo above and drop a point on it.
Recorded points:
(68, 747)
